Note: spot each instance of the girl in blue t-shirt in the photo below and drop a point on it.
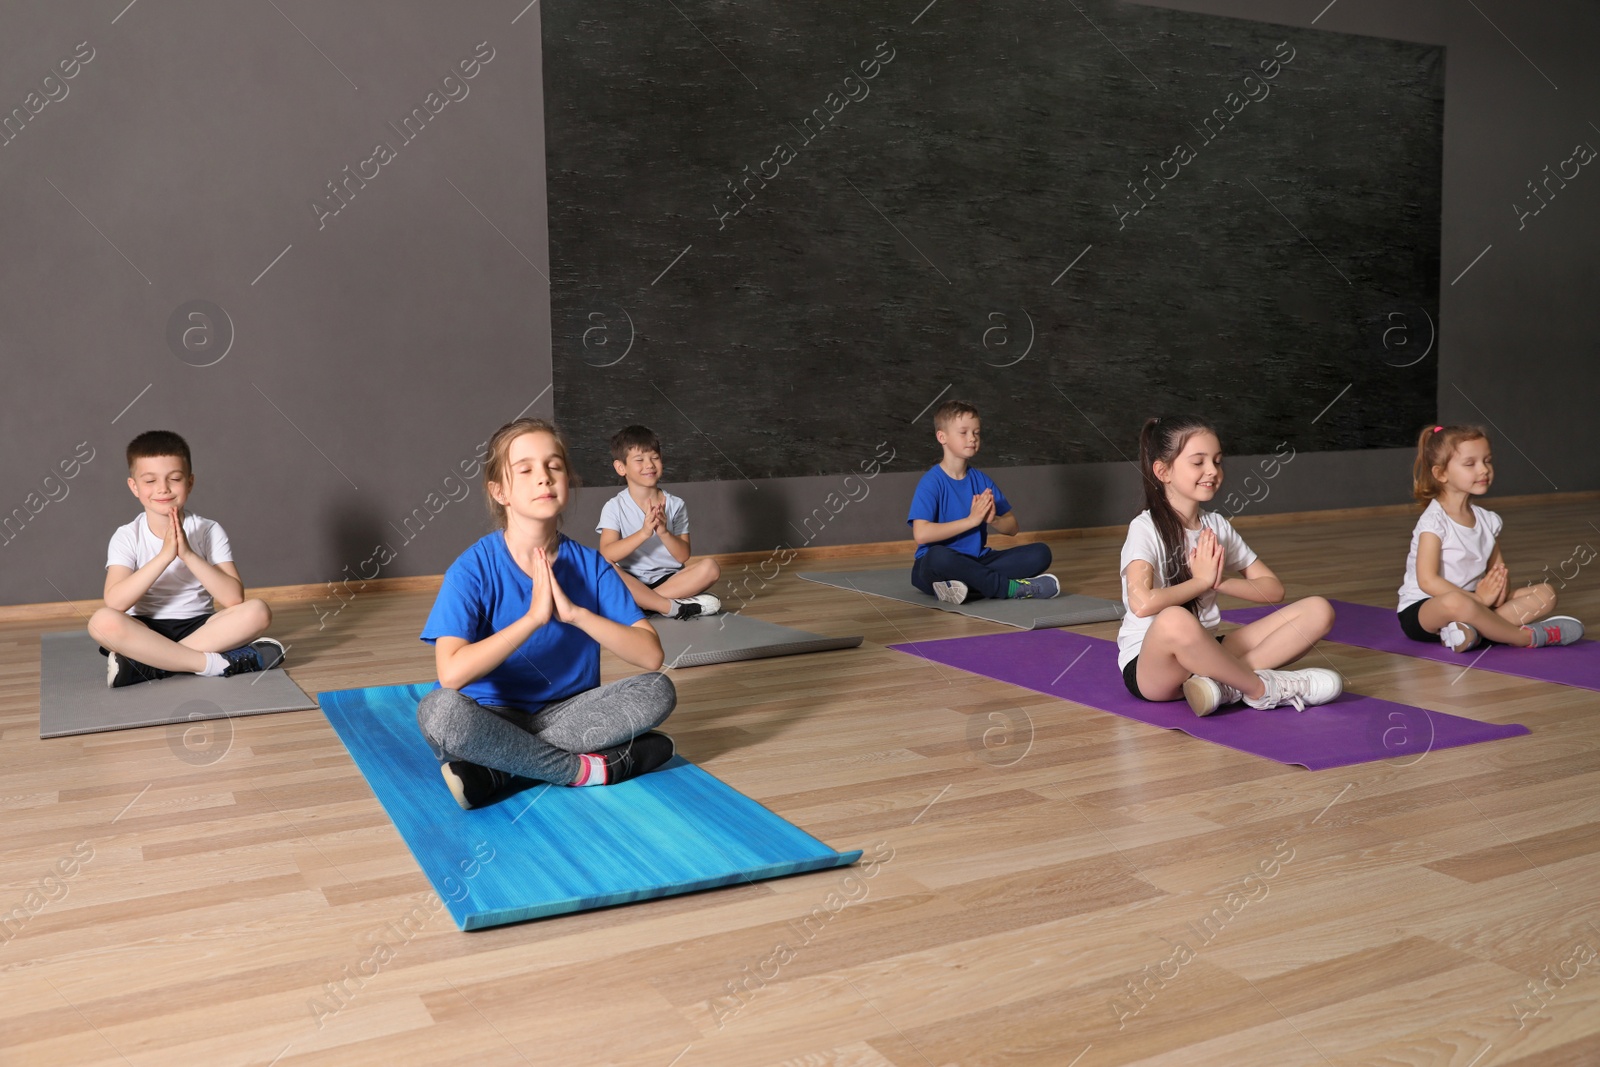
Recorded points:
(517, 630)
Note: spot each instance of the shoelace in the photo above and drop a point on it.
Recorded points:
(1293, 687)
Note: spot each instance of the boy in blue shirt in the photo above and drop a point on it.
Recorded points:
(953, 510)
(644, 530)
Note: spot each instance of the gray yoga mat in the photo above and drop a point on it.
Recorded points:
(731, 637)
(1069, 609)
(73, 698)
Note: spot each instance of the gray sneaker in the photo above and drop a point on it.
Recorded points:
(1556, 630)
(951, 592)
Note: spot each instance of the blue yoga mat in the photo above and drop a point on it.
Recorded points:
(550, 850)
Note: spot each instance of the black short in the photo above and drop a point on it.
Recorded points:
(1411, 625)
(1130, 674)
(658, 581)
(1130, 678)
(171, 629)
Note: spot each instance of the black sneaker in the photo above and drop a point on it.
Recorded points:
(121, 671)
(472, 786)
(640, 756)
(262, 654)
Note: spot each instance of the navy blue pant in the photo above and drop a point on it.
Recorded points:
(988, 575)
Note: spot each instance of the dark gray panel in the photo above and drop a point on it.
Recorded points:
(916, 225)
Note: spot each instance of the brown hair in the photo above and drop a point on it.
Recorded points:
(950, 411)
(1435, 446)
(631, 437)
(1161, 439)
(499, 451)
(154, 443)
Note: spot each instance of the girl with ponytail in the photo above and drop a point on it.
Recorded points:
(1455, 589)
(1174, 563)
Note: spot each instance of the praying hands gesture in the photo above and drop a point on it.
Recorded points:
(174, 544)
(548, 600)
(982, 508)
(655, 520)
(1206, 559)
(1493, 587)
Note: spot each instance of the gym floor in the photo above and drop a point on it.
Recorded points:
(1036, 861)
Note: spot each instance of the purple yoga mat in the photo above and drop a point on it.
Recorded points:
(1353, 729)
(1365, 626)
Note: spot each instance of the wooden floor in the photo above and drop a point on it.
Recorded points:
(1037, 860)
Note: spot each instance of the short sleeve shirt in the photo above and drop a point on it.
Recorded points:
(650, 562)
(177, 593)
(1464, 553)
(485, 590)
(1144, 542)
(941, 498)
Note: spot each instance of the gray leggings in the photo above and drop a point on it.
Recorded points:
(544, 745)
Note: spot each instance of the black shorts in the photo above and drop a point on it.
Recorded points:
(658, 581)
(1411, 625)
(1130, 674)
(171, 629)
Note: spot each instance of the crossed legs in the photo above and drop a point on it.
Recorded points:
(695, 578)
(227, 629)
(1502, 625)
(1176, 646)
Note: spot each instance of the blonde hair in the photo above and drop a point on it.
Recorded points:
(1435, 446)
(499, 453)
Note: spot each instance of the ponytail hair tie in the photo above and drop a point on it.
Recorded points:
(1436, 429)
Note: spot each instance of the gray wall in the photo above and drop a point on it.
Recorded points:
(383, 346)
(387, 341)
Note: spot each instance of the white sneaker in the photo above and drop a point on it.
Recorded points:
(951, 592)
(1459, 637)
(1206, 695)
(691, 606)
(1302, 688)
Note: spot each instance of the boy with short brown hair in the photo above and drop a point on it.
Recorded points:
(174, 601)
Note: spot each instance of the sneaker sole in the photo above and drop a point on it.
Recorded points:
(1203, 695)
(282, 653)
(456, 785)
(1460, 629)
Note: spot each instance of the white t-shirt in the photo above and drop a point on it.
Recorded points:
(650, 562)
(177, 594)
(1464, 550)
(1144, 542)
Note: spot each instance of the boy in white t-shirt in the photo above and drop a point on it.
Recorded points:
(644, 532)
(165, 580)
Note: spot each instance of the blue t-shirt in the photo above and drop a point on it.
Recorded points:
(484, 591)
(940, 498)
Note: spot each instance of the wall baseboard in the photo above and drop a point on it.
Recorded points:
(80, 609)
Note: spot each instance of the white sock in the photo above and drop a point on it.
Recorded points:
(677, 609)
(592, 770)
(215, 665)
